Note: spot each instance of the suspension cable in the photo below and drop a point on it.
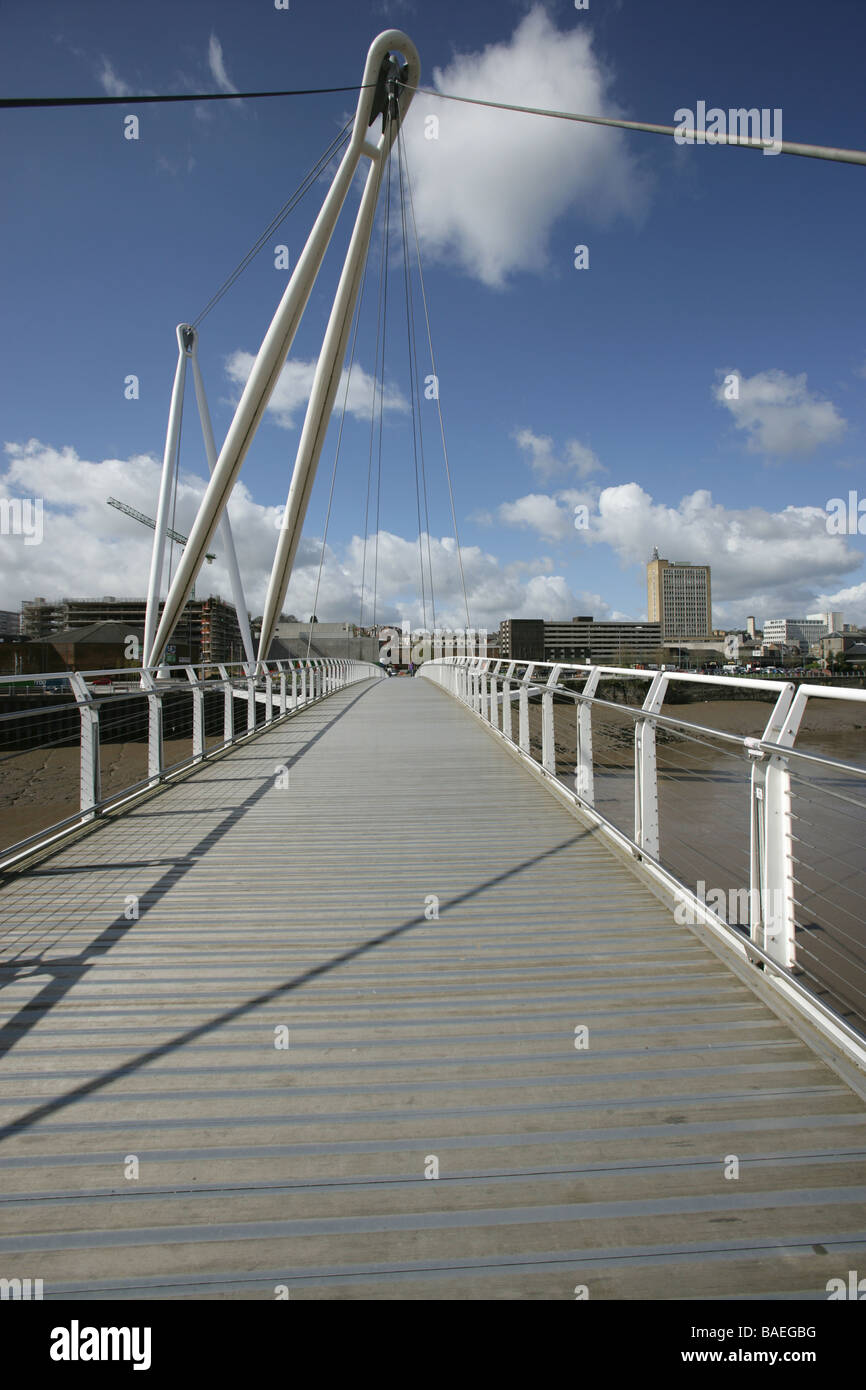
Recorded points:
(337, 451)
(372, 411)
(412, 382)
(438, 401)
(416, 379)
(387, 251)
(336, 147)
(785, 146)
(151, 99)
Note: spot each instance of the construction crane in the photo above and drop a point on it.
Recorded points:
(149, 521)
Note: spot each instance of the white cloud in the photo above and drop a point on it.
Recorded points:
(779, 414)
(217, 66)
(578, 458)
(851, 602)
(490, 188)
(113, 85)
(295, 382)
(538, 512)
(495, 591)
(762, 561)
(92, 549)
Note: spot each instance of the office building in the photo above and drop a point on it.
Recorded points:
(579, 641)
(679, 598)
(794, 632)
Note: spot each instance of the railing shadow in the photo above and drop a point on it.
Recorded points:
(52, 993)
(257, 1001)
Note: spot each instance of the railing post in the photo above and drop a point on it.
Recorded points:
(646, 792)
(90, 780)
(771, 835)
(494, 695)
(584, 775)
(548, 734)
(197, 715)
(282, 697)
(771, 899)
(294, 688)
(251, 695)
(228, 705)
(269, 694)
(483, 691)
(523, 709)
(506, 701)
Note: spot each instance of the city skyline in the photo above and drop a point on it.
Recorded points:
(587, 417)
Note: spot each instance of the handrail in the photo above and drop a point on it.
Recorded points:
(282, 686)
(489, 687)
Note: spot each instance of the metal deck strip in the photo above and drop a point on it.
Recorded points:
(303, 909)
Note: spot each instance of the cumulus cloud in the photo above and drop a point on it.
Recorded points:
(543, 460)
(495, 590)
(473, 205)
(761, 561)
(538, 512)
(850, 601)
(295, 383)
(779, 414)
(90, 548)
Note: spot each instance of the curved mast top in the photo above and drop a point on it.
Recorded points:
(379, 96)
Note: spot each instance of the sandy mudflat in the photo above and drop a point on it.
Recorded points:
(835, 728)
(41, 786)
(745, 716)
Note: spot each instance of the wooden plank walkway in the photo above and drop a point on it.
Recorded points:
(263, 908)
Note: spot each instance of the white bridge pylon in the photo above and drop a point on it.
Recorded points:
(378, 95)
(187, 341)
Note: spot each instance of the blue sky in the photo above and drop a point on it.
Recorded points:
(559, 387)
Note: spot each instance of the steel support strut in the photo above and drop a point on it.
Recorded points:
(226, 538)
(280, 335)
(169, 466)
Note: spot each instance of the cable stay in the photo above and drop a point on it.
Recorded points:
(699, 137)
(336, 147)
(392, 57)
(373, 497)
(843, 156)
(437, 398)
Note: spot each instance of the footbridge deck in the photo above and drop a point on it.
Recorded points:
(248, 1022)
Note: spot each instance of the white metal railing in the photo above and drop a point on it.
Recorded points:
(795, 809)
(177, 715)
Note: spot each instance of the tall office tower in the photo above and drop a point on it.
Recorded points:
(679, 598)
